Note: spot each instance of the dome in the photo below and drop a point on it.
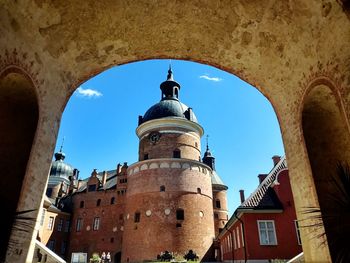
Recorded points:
(60, 168)
(169, 108)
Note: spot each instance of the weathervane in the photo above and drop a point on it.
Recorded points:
(207, 142)
(62, 144)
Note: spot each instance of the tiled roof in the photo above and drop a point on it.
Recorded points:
(264, 197)
(110, 182)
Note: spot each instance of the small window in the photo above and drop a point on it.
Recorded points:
(112, 200)
(162, 188)
(137, 217)
(98, 203)
(297, 231)
(42, 217)
(79, 224)
(145, 156)
(180, 214)
(60, 225)
(196, 144)
(63, 247)
(66, 226)
(267, 233)
(112, 239)
(50, 224)
(96, 223)
(81, 204)
(121, 217)
(177, 153)
(216, 215)
(199, 191)
(51, 244)
(49, 192)
(178, 225)
(218, 204)
(92, 188)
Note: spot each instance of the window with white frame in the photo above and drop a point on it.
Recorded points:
(267, 233)
(60, 225)
(238, 239)
(96, 223)
(51, 221)
(242, 235)
(297, 231)
(234, 240)
(79, 224)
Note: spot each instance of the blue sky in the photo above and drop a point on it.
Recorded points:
(100, 119)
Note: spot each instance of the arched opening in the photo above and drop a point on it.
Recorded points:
(327, 141)
(18, 121)
(118, 257)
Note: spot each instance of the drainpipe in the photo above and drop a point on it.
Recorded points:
(245, 249)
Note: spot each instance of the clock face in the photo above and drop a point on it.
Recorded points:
(154, 137)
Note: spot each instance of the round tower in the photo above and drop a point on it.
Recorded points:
(169, 200)
(219, 193)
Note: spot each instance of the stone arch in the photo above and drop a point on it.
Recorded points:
(327, 139)
(19, 114)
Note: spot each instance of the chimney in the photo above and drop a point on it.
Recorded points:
(104, 178)
(94, 173)
(261, 177)
(276, 159)
(241, 194)
(119, 168)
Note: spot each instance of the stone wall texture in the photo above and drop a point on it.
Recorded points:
(283, 48)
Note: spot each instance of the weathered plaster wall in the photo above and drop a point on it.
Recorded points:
(278, 46)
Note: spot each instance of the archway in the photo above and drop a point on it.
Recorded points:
(327, 141)
(18, 122)
(118, 257)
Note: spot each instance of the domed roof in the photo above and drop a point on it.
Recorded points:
(168, 108)
(59, 167)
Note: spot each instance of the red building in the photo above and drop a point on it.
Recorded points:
(264, 227)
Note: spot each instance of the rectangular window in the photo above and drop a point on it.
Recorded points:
(96, 223)
(63, 247)
(60, 225)
(180, 214)
(51, 222)
(51, 244)
(234, 240)
(79, 224)
(242, 235)
(42, 217)
(297, 231)
(238, 239)
(267, 233)
(137, 217)
(66, 226)
(218, 204)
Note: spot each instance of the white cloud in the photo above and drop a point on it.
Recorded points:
(90, 93)
(216, 79)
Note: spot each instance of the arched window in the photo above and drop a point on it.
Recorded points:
(162, 188)
(112, 200)
(177, 153)
(199, 191)
(180, 214)
(81, 204)
(98, 203)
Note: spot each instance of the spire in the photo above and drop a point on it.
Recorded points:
(170, 73)
(170, 88)
(207, 142)
(208, 159)
(60, 155)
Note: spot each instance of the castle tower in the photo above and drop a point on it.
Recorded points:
(219, 193)
(169, 201)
